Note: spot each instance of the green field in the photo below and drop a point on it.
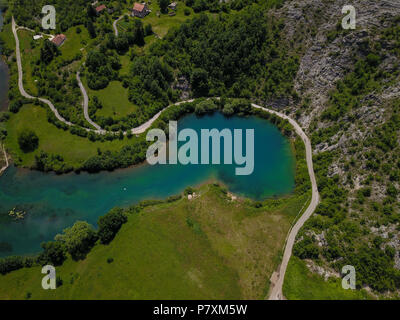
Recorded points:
(206, 248)
(301, 284)
(29, 56)
(75, 150)
(75, 42)
(161, 24)
(114, 99)
(8, 37)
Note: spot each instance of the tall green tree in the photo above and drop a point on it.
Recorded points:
(163, 5)
(78, 239)
(91, 29)
(28, 140)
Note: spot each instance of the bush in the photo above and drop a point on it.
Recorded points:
(306, 249)
(28, 140)
(186, 11)
(54, 253)
(59, 282)
(110, 224)
(78, 239)
(188, 190)
(10, 264)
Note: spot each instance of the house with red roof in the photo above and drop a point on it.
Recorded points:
(140, 10)
(100, 9)
(59, 39)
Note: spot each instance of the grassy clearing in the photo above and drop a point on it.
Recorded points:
(161, 24)
(301, 284)
(206, 248)
(114, 99)
(7, 36)
(125, 63)
(75, 42)
(75, 150)
(164, 22)
(29, 56)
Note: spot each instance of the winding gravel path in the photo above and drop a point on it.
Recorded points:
(20, 78)
(85, 104)
(115, 25)
(278, 277)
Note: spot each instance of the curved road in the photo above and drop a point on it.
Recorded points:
(115, 25)
(85, 104)
(20, 78)
(278, 277)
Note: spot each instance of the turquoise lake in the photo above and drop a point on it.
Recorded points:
(53, 202)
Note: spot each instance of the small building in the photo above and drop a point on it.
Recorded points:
(173, 6)
(100, 9)
(37, 37)
(140, 10)
(59, 39)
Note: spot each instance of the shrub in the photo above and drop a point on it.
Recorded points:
(59, 282)
(188, 190)
(10, 264)
(28, 140)
(78, 239)
(54, 253)
(110, 224)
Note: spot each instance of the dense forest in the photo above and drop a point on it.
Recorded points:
(237, 55)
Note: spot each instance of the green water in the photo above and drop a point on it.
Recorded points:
(53, 202)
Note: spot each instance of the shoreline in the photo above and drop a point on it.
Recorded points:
(4, 103)
(2, 170)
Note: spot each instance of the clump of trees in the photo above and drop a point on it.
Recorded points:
(110, 224)
(28, 141)
(78, 239)
(134, 35)
(48, 51)
(102, 68)
(54, 252)
(51, 162)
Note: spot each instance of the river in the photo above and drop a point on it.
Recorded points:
(53, 202)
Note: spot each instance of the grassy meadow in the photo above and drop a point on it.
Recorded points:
(114, 99)
(207, 248)
(29, 55)
(74, 149)
(163, 22)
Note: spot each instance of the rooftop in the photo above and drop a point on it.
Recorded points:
(59, 39)
(100, 8)
(138, 6)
